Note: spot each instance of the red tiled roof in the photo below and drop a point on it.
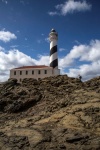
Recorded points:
(29, 67)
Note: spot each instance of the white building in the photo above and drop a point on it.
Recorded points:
(35, 72)
(40, 71)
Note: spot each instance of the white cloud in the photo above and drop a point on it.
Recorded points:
(86, 70)
(82, 59)
(14, 46)
(42, 40)
(42, 60)
(62, 49)
(53, 13)
(26, 39)
(18, 31)
(1, 48)
(77, 42)
(47, 40)
(5, 1)
(4, 76)
(6, 36)
(93, 51)
(39, 41)
(14, 58)
(71, 6)
(3, 29)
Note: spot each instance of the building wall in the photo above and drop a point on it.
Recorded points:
(29, 74)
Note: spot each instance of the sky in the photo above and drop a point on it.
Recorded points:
(24, 30)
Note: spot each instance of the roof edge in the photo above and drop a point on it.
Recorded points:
(34, 67)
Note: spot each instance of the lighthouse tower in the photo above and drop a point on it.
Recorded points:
(53, 37)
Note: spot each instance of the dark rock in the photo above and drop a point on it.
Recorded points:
(2, 105)
(74, 138)
(15, 142)
(14, 107)
(53, 113)
(13, 80)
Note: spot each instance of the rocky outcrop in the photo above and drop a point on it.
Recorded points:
(53, 113)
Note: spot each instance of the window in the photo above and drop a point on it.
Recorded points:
(26, 72)
(45, 71)
(39, 72)
(20, 72)
(20, 80)
(14, 72)
(32, 71)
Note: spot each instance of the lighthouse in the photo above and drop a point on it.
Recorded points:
(40, 71)
(53, 37)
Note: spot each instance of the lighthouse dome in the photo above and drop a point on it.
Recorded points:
(53, 30)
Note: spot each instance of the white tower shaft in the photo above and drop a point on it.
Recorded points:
(53, 36)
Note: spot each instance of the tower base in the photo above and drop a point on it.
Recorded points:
(56, 71)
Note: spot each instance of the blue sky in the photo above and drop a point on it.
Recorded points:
(26, 24)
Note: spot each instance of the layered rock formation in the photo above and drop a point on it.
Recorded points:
(55, 113)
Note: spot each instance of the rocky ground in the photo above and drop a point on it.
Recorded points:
(55, 113)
